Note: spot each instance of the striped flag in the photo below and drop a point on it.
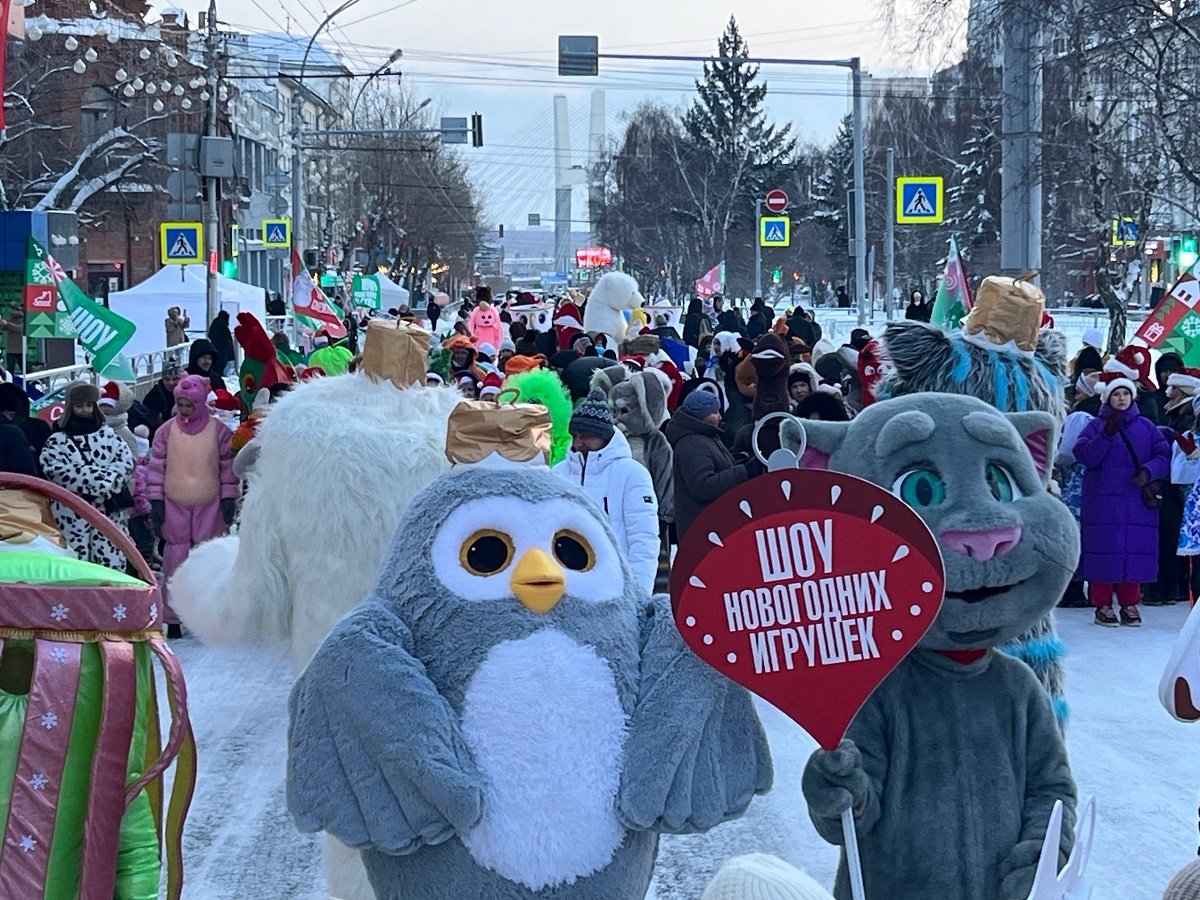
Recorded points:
(310, 305)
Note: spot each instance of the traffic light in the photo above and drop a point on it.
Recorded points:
(229, 268)
(777, 275)
(1188, 253)
(476, 130)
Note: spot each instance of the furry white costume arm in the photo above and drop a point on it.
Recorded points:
(339, 460)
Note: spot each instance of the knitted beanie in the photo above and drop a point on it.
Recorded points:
(700, 404)
(592, 417)
(758, 876)
(1186, 883)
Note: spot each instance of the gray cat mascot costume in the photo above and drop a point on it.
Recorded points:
(953, 765)
(507, 716)
(1003, 356)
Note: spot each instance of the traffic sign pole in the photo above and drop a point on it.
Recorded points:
(758, 248)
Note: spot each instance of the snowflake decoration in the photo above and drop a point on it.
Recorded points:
(59, 612)
(119, 612)
(153, 612)
(58, 654)
(38, 782)
(49, 720)
(1191, 326)
(28, 843)
(40, 274)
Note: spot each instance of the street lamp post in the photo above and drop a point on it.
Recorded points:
(580, 55)
(394, 58)
(298, 129)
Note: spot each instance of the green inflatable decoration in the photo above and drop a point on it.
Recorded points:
(80, 758)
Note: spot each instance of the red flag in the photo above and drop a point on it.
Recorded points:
(712, 281)
(1162, 322)
(310, 305)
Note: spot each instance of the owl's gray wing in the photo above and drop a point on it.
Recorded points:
(696, 753)
(375, 754)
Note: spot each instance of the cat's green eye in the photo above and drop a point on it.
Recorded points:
(920, 488)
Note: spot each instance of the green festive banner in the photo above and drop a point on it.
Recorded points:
(101, 331)
(365, 292)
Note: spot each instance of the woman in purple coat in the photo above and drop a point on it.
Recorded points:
(1121, 451)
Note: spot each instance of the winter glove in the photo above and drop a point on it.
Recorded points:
(1140, 478)
(158, 513)
(228, 510)
(1112, 424)
(835, 781)
(1187, 443)
(1017, 870)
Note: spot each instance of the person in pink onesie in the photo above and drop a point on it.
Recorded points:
(190, 482)
(484, 322)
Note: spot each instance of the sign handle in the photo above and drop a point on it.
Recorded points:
(853, 861)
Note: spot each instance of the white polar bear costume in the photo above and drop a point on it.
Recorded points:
(338, 461)
(614, 292)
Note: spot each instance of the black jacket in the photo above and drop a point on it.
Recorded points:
(161, 404)
(15, 455)
(800, 327)
(202, 347)
(757, 326)
(14, 399)
(222, 340)
(692, 325)
(703, 467)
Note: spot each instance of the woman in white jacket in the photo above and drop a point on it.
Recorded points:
(601, 462)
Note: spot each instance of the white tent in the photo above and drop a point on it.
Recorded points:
(146, 304)
(391, 295)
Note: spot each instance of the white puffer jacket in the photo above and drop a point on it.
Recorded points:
(621, 487)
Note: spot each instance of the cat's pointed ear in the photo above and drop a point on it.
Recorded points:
(1039, 431)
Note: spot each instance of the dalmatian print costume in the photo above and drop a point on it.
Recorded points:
(95, 467)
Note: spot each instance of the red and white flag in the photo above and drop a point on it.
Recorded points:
(310, 305)
(713, 281)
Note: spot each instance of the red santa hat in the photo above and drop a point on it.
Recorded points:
(312, 372)
(1134, 363)
(1186, 379)
(1110, 381)
(673, 381)
(491, 385)
(111, 395)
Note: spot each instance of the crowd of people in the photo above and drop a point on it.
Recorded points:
(656, 424)
(1127, 465)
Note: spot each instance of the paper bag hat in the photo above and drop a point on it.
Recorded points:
(1007, 314)
(396, 352)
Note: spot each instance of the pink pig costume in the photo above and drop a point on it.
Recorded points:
(191, 471)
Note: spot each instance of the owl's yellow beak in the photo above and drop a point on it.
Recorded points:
(538, 581)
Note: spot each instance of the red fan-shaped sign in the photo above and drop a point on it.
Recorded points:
(807, 587)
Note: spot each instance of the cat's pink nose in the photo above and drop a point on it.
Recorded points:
(982, 545)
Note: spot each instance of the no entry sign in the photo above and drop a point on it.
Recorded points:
(807, 587)
(777, 201)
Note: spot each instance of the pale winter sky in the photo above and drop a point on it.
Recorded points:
(498, 59)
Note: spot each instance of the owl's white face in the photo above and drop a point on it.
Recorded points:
(507, 548)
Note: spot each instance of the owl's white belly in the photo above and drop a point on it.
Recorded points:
(545, 724)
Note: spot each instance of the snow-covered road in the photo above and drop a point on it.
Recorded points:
(1139, 763)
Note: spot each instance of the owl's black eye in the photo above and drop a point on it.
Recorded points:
(573, 551)
(486, 553)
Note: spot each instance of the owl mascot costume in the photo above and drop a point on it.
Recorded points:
(508, 716)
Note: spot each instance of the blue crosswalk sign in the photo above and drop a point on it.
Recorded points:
(775, 231)
(277, 233)
(919, 200)
(181, 242)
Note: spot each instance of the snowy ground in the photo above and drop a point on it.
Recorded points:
(1124, 749)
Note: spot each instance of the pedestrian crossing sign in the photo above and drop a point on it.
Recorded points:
(774, 231)
(277, 233)
(919, 200)
(181, 243)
